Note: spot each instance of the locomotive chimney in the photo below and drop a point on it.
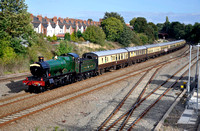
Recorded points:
(41, 58)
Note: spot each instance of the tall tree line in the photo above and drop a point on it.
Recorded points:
(178, 30)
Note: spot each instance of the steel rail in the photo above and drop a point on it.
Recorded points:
(158, 99)
(123, 100)
(139, 98)
(143, 91)
(137, 104)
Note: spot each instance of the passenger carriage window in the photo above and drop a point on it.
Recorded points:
(119, 56)
(116, 57)
(102, 60)
(113, 58)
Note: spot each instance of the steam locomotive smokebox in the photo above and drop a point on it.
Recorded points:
(41, 58)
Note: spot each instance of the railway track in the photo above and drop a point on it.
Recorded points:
(121, 119)
(22, 95)
(14, 77)
(6, 118)
(15, 98)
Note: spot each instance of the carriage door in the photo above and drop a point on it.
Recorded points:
(77, 64)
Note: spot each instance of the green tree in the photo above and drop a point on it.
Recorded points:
(90, 20)
(54, 37)
(67, 36)
(74, 36)
(15, 26)
(160, 26)
(79, 34)
(135, 39)
(188, 30)
(140, 25)
(49, 38)
(113, 28)
(195, 33)
(176, 30)
(155, 30)
(14, 18)
(166, 26)
(7, 53)
(94, 34)
(132, 22)
(18, 48)
(149, 31)
(63, 48)
(143, 38)
(126, 36)
(115, 15)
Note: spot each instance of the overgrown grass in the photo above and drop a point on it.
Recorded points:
(16, 65)
(21, 63)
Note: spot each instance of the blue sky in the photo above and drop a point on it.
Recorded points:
(184, 11)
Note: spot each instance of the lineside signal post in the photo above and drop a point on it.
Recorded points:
(194, 84)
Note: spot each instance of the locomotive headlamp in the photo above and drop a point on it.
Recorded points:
(41, 58)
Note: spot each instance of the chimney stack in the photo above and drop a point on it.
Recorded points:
(55, 19)
(40, 18)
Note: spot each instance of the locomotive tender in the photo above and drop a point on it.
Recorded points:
(69, 68)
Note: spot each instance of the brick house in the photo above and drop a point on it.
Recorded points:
(59, 26)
